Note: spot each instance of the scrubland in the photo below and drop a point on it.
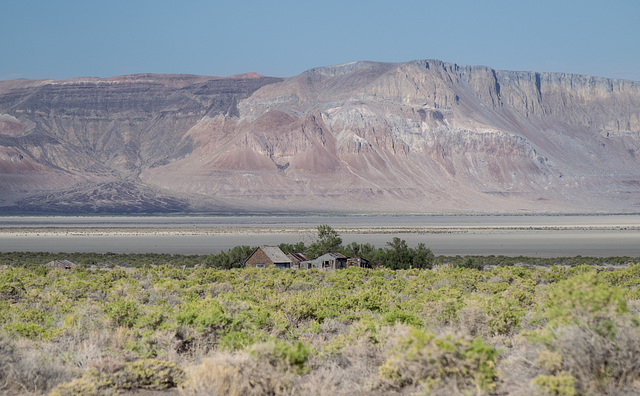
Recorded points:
(517, 330)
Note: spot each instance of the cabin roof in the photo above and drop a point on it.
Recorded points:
(275, 254)
(332, 255)
(60, 264)
(297, 256)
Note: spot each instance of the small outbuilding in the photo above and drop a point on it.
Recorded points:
(358, 262)
(329, 261)
(307, 264)
(268, 256)
(64, 264)
(296, 259)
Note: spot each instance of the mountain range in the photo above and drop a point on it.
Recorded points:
(366, 137)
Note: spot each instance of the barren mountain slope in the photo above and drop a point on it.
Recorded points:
(422, 136)
(63, 142)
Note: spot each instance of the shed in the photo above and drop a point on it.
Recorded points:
(268, 256)
(296, 259)
(307, 264)
(358, 262)
(330, 261)
(64, 264)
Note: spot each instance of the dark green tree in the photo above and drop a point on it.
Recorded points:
(468, 263)
(292, 248)
(423, 257)
(364, 250)
(397, 254)
(234, 258)
(328, 241)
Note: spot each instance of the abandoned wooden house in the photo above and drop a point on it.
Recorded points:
(358, 262)
(296, 259)
(307, 264)
(268, 256)
(64, 264)
(329, 261)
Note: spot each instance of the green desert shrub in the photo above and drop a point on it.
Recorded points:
(600, 363)
(153, 320)
(421, 358)
(30, 323)
(584, 299)
(504, 314)
(123, 312)
(561, 384)
(203, 315)
(444, 305)
(235, 340)
(401, 316)
(589, 326)
(142, 374)
(149, 374)
(12, 284)
(549, 361)
(27, 330)
(238, 374)
(282, 354)
(366, 329)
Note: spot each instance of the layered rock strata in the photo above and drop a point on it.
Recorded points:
(421, 136)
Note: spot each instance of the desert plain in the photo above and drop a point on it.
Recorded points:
(534, 236)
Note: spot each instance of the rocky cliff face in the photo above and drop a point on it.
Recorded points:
(71, 137)
(422, 136)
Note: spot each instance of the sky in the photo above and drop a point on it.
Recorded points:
(68, 38)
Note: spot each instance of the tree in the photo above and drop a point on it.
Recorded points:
(292, 248)
(238, 255)
(365, 250)
(397, 254)
(468, 263)
(422, 256)
(234, 258)
(328, 241)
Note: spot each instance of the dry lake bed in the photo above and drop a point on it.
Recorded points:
(536, 236)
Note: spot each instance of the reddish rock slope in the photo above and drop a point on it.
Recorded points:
(422, 136)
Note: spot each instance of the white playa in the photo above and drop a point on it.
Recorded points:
(537, 236)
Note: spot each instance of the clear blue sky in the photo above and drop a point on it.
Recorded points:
(69, 38)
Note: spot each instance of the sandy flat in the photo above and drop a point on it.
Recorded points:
(538, 236)
(363, 230)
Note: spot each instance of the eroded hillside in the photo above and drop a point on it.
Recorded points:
(422, 136)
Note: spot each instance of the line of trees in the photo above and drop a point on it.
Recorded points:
(395, 255)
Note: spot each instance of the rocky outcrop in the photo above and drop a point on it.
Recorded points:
(56, 134)
(421, 136)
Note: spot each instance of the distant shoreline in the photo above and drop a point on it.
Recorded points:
(185, 231)
(315, 214)
(534, 236)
